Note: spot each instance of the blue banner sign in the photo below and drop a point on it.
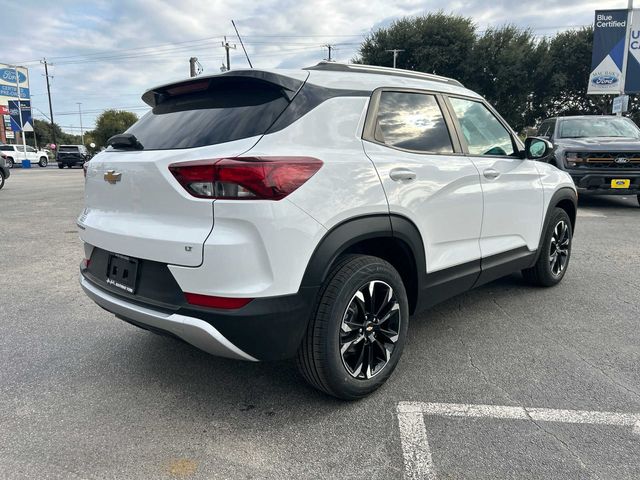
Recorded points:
(609, 33)
(14, 114)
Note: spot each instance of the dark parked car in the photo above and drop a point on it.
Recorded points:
(601, 153)
(72, 155)
(4, 171)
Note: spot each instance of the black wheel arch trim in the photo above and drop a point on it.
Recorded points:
(560, 196)
(355, 230)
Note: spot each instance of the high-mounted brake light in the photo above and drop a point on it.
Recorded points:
(245, 178)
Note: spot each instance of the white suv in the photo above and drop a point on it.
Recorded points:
(263, 215)
(13, 154)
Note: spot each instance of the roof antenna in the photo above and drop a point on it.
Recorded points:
(242, 44)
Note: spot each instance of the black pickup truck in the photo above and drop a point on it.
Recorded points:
(72, 155)
(600, 152)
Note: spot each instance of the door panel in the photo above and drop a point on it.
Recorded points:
(444, 200)
(513, 203)
(512, 190)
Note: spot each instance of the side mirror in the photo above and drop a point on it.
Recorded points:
(536, 148)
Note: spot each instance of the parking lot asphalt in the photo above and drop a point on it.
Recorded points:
(84, 395)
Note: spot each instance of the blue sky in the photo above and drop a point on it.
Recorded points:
(106, 53)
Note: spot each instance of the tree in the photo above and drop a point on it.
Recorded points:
(503, 65)
(434, 43)
(110, 123)
(569, 62)
(42, 130)
(526, 79)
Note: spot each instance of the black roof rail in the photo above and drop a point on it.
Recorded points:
(396, 72)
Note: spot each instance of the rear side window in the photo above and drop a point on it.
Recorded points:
(231, 110)
(484, 134)
(6, 148)
(412, 121)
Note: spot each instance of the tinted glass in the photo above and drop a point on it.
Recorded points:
(6, 148)
(412, 121)
(484, 134)
(231, 111)
(68, 148)
(544, 129)
(598, 127)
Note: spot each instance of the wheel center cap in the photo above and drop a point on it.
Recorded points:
(369, 328)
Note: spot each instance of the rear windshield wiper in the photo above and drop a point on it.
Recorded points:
(125, 141)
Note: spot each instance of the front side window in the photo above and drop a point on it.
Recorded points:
(412, 121)
(484, 134)
(31, 150)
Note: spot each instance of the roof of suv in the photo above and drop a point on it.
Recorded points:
(342, 76)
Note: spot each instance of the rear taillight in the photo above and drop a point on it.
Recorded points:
(245, 178)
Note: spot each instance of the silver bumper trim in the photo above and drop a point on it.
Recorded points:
(192, 330)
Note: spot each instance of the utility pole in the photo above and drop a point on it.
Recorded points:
(227, 46)
(395, 55)
(81, 129)
(192, 66)
(329, 47)
(46, 75)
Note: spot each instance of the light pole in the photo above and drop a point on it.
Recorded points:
(81, 130)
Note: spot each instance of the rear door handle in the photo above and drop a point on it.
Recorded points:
(491, 173)
(400, 174)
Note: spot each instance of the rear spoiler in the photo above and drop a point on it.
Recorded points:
(155, 96)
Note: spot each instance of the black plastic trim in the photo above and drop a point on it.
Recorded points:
(339, 239)
(505, 263)
(565, 193)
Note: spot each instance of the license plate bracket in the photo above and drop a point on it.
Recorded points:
(122, 272)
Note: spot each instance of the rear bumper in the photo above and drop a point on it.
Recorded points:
(599, 183)
(190, 329)
(265, 329)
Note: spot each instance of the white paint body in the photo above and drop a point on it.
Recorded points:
(261, 248)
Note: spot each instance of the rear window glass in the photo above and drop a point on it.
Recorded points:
(231, 110)
(67, 148)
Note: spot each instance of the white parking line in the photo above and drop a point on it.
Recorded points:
(416, 450)
(582, 212)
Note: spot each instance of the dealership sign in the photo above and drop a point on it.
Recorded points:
(607, 59)
(16, 122)
(9, 82)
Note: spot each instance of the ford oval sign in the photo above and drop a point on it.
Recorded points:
(8, 75)
(604, 80)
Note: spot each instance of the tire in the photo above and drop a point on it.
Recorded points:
(10, 162)
(350, 359)
(43, 162)
(552, 262)
(639, 199)
(1, 180)
(61, 166)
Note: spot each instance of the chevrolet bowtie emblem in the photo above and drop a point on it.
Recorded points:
(112, 176)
